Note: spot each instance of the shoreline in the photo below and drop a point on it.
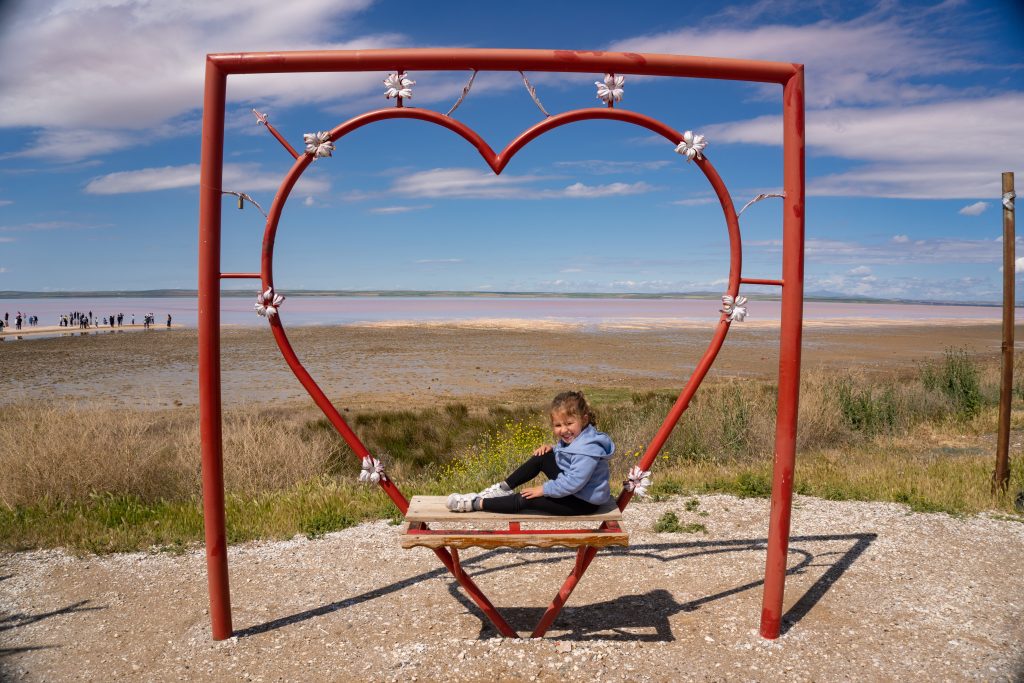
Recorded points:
(396, 366)
(526, 324)
(53, 331)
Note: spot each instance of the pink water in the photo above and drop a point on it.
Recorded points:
(298, 310)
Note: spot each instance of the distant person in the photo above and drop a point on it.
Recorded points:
(17, 321)
(133, 320)
(168, 321)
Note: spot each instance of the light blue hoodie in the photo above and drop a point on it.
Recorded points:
(584, 465)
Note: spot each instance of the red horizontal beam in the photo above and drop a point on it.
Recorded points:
(240, 276)
(760, 281)
(445, 59)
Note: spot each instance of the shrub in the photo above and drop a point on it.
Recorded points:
(958, 378)
(868, 410)
(669, 523)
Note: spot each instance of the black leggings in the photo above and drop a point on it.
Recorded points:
(515, 502)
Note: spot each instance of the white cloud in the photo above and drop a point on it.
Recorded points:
(134, 63)
(604, 167)
(43, 226)
(875, 58)
(468, 183)
(697, 201)
(579, 190)
(896, 251)
(860, 270)
(975, 209)
(7, 239)
(386, 210)
(6, 202)
(1018, 265)
(239, 177)
(91, 75)
(900, 239)
(309, 201)
(435, 261)
(906, 148)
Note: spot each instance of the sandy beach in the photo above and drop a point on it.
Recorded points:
(401, 365)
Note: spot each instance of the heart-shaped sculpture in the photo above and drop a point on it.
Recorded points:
(497, 163)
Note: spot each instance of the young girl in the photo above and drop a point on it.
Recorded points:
(576, 466)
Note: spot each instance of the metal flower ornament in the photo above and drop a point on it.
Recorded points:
(638, 481)
(268, 302)
(692, 146)
(398, 85)
(318, 144)
(372, 471)
(734, 308)
(611, 89)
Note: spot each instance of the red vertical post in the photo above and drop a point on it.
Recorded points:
(789, 352)
(210, 176)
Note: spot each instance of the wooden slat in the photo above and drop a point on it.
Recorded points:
(435, 509)
(499, 540)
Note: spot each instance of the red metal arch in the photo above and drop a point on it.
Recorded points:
(789, 76)
(497, 163)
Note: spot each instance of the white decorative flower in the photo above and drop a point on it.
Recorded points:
(398, 86)
(267, 303)
(692, 146)
(639, 481)
(318, 144)
(734, 308)
(372, 472)
(611, 89)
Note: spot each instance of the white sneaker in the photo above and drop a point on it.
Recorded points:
(495, 491)
(461, 502)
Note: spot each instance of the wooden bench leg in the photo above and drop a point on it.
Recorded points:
(584, 555)
(451, 561)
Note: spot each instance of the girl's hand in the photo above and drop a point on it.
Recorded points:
(533, 492)
(541, 450)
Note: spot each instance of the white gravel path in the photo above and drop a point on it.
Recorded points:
(877, 594)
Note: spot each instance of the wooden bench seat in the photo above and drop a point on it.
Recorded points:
(424, 510)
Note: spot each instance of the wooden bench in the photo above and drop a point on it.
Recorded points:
(426, 510)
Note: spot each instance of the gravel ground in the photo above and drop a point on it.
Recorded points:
(875, 593)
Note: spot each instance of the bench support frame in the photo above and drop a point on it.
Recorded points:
(449, 556)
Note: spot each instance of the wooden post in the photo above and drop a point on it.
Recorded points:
(1001, 475)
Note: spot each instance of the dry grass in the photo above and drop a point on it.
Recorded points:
(102, 479)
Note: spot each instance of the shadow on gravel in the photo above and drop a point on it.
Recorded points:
(645, 617)
(353, 601)
(630, 617)
(7, 651)
(15, 620)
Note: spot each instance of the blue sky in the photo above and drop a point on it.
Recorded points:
(914, 110)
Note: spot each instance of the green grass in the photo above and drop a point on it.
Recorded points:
(923, 440)
(669, 523)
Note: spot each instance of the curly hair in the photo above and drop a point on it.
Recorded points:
(575, 404)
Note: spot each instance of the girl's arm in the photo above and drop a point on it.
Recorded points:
(573, 478)
(541, 450)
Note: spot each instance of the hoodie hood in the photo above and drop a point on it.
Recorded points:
(590, 442)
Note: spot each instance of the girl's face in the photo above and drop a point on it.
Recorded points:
(567, 427)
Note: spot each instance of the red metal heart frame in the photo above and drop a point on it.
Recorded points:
(497, 163)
